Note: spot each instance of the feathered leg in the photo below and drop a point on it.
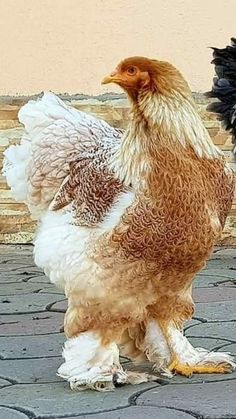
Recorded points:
(187, 360)
(91, 353)
(165, 344)
(170, 352)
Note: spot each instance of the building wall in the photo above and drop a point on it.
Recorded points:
(69, 45)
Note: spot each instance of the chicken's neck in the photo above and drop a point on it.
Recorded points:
(157, 122)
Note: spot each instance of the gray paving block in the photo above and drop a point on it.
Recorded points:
(23, 304)
(3, 381)
(227, 263)
(191, 323)
(23, 371)
(31, 346)
(31, 324)
(224, 253)
(214, 294)
(206, 342)
(40, 279)
(225, 330)
(8, 413)
(8, 278)
(15, 269)
(10, 258)
(138, 412)
(230, 347)
(60, 306)
(55, 400)
(221, 311)
(18, 288)
(51, 289)
(213, 277)
(202, 378)
(209, 400)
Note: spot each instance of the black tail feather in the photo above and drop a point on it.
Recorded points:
(224, 87)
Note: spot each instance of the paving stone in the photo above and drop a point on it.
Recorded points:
(11, 259)
(23, 371)
(3, 381)
(9, 413)
(57, 400)
(191, 323)
(138, 412)
(212, 277)
(6, 278)
(208, 295)
(223, 253)
(23, 304)
(31, 346)
(211, 400)
(226, 330)
(51, 289)
(224, 311)
(18, 270)
(220, 264)
(231, 347)
(18, 288)
(59, 306)
(40, 278)
(206, 342)
(202, 378)
(31, 324)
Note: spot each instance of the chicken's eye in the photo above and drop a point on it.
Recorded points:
(131, 71)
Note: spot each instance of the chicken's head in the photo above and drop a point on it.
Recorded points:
(137, 74)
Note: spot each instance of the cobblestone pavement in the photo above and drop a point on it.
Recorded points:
(31, 317)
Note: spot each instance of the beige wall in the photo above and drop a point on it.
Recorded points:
(69, 45)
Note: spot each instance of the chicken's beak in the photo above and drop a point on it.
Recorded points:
(112, 78)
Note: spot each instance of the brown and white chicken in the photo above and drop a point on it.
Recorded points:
(126, 220)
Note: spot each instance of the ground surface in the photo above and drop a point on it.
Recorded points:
(31, 316)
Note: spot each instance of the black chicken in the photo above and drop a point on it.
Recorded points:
(224, 87)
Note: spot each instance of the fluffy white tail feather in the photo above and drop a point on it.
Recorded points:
(54, 134)
(35, 116)
(15, 164)
(38, 115)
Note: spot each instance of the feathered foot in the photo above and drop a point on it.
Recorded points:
(91, 365)
(172, 353)
(188, 370)
(188, 360)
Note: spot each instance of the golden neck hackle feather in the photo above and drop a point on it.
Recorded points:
(159, 121)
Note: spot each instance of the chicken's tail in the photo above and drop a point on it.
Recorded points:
(15, 165)
(224, 87)
(37, 116)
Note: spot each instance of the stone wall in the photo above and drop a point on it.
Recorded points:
(15, 223)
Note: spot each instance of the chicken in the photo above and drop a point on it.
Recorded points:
(224, 87)
(126, 220)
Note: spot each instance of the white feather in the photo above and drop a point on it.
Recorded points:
(54, 131)
(87, 361)
(16, 160)
(191, 356)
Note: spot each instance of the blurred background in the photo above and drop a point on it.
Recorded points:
(68, 45)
